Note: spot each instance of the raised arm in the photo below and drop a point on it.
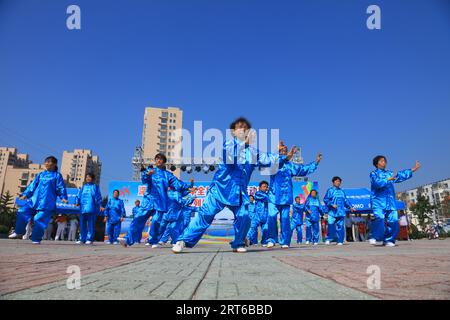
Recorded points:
(403, 175)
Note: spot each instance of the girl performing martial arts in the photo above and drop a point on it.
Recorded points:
(41, 196)
(297, 219)
(383, 201)
(229, 188)
(259, 218)
(89, 199)
(114, 214)
(336, 202)
(157, 180)
(314, 211)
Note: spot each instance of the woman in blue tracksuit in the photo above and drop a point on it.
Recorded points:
(114, 214)
(89, 199)
(337, 203)
(173, 220)
(297, 219)
(314, 211)
(259, 219)
(383, 201)
(41, 195)
(281, 197)
(229, 188)
(157, 180)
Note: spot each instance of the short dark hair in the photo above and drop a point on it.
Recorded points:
(297, 198)
(263, 182)
(137, 200)
(161, 156)
(336, 178)
(90, 174)
(313, 190)
(252, 196)
(240, 119)
(52, 159)
(376, 159)
(117, 191)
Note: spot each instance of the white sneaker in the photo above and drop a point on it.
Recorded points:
(372, 241)
(285, 246)
(35, 242)
(161, 243)
(327, 242)
(56, 239)
(154, 246)
(14, 236)
(375, 243)
(147, 244)
(115, 242)
(315, 244)
(270, 245)
(123, 242)
(264, 245)
(340, 244)
(88, 242)
(389, 244)
(78, 242)
(240, 250)
(307, 242)
(178, 247)
(25, 237)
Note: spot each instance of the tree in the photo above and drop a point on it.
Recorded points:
(422, 210)
(7, 210)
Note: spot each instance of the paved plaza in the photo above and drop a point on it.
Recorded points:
(412, 270)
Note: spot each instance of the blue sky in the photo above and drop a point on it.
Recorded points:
(310, 68)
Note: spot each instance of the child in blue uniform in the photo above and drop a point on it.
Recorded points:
(89, 199)
(229, 188)
(158, 180)
(314, 211)
(114, 214)
(336, 202)
(297, 219)
(383, 201)
(259, 218)
(41, 195)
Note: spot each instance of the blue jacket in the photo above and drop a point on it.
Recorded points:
(156, 195)
(251, 209)
(297, 213)
(313, 205)
(382, 190)
(176, 204)
(230, 182)
(261, 205)
(89, 198)
(115, 210)
(44, 190)
(281, 188)
(135, 210)
(336, 196)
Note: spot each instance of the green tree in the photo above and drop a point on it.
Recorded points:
(7, 210)
(422, 210)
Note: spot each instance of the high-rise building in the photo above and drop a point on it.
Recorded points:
(159, 135)
(76, 164)
(9, 158)
(18, 178)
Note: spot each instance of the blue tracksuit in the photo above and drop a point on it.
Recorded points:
(314, 211)
(297, 220)
(229, 189)
(186, 212)
(259, 219)
(42, 194)
(173, 219)
(383, 203)
(336, 217)
(115, 210)
(154, 203)
(89, 199)
(281, 198)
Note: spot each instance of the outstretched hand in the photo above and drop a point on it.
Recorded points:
(394, 176)
(291, 152)
(23, 198)
(319, 157)
(150, 172)
(416, 166)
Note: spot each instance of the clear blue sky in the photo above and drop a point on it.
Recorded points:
(310, 68)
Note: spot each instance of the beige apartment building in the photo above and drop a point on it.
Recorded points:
(16, 171)
(76, 164)
(159, 134)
